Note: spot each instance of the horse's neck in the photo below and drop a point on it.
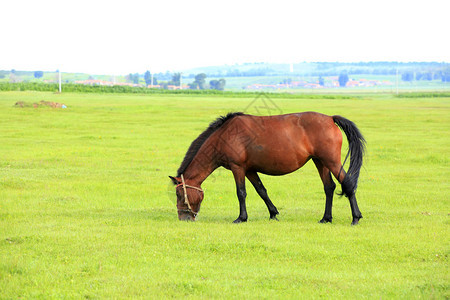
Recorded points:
(201, 166)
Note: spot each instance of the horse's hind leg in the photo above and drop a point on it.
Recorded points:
(262, 192)
(356, 214)
(329, 187)
(338, 171)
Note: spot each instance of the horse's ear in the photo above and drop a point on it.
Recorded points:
(174, 180)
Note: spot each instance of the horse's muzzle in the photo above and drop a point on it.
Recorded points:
(185, 217)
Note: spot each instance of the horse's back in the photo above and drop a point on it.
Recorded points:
(279, 144)
(312, 133)
(313, 126)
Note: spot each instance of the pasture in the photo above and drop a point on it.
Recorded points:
(87, 209)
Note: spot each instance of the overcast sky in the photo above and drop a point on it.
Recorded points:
(121, 37)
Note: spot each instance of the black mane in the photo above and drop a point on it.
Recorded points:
(198, 142)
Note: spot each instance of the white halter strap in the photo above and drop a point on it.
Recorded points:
(186, 200)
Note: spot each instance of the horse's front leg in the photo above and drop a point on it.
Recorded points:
(239, 177)
(262, 192)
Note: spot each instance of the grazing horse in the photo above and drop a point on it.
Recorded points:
(272, 145)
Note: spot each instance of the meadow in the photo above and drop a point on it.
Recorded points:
(87, 209)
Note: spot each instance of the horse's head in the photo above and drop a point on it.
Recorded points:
(189, 199)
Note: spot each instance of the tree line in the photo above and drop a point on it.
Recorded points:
(199, 82)
(83, 88)
(326, 69)
(444, 76)
(408, 72)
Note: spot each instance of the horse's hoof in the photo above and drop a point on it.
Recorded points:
(274, 218)
(323, 221)
(356, 221)
(238, 220)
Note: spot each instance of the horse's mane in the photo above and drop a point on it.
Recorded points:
(198, 142)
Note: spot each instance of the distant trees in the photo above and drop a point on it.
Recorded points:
(321, 81)
(246, 73)
(424, 76)
(176, 79)
(217, 84)
(324, 69)
(323, 74)
(38, 74)
(343, 79)
(408, 76)
(199, 82)
(286, 81)
(445, 75)
(134, 78)
(148, 78)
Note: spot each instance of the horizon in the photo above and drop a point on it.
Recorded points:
(184, 74)
(118, 38)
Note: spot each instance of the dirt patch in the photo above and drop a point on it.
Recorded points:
(42, 103)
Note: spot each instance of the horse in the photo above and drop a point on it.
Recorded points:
(272, 145)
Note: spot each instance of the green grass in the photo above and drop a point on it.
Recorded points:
(87, 209)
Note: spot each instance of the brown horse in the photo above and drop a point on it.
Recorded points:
(273, 145)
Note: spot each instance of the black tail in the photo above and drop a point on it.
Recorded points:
(357, 146)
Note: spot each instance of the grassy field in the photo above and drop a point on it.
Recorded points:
(87, 209)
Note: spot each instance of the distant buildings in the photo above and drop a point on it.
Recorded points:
(109, 83)
(332, 82)
(106, 83)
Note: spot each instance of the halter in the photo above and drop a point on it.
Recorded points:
(186, 200)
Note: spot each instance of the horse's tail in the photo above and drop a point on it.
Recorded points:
(357, 146)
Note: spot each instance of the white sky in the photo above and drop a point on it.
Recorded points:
(125, 36)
